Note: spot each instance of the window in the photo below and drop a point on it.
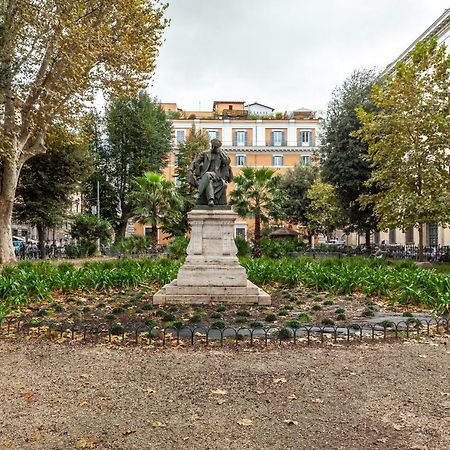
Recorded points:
(147, 231)
(230, 107)
(277, 138)
(305, 138)
(241, 138)
(213, 134)
(240, 230)
(377, 237)
(277, 160)
(409, 236)
(181, 136)
(305, 160)
(392, 236)
(432, 232)
(241, 160)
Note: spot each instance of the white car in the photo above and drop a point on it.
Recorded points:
(336, 242)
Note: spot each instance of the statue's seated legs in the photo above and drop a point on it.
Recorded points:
(211, 190)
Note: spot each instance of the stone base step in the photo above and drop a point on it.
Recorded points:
(173, 293)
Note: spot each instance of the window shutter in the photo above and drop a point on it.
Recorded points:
(272, 139)
(246, 138)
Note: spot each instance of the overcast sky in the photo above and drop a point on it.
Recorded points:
(282, 53)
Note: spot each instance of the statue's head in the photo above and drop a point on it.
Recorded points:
(215, 145)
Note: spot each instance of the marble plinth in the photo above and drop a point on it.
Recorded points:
(211, 272)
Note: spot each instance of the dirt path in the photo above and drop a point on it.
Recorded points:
(385, 396)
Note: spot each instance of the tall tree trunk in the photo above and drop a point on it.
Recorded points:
(154, 237)
(9, 174)
(41, 236)
(120, 230)
(368, 240)
(421, 255)
(257, 247)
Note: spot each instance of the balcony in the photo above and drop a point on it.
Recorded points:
(273, 143)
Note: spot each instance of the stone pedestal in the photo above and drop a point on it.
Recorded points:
(211, 272)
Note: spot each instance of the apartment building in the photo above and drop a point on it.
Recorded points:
(252, 135)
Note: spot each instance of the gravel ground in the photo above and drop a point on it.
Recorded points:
(376, 396)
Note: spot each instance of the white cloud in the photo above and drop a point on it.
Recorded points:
(283, 53)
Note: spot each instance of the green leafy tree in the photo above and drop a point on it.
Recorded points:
(87, 229)
(257, 195)
(409, 140)
(49, 181)
(139, 136)
(156, 202)
(344, 162)
(196, 142)
(294, 188)
(324, 213)
(93, 129)
(54, 56)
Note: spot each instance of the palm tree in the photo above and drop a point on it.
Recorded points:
(156, 202)
(256, 195)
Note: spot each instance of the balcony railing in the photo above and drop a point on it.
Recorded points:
(274, 143)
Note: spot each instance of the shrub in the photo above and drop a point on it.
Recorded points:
(243, 247)
(196, 318)
(284, 334)
(304, 318)
(147, 306)
(368, 312)
(387, 324)
(316, 308)
(270, 318)
(118, 310)
(407, 314)
(215, 315)
(221, 308)
(256, 324)
(340, 311)
(218, 324)
(178, 247)
(43, 313)
(241, 320)
(328, 321)
(117, 330)
(292, 323)
(283, 312)
(110, 317)
(168, 317)
(57, 307)
(328, 302)
(243, 313)
(341, 317)
(100, 305)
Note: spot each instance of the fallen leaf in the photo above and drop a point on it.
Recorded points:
(398, 427)
(245, 422)
(158, 424)
(149, 391)
(218, 392)
(279, 380)
(28, 396)
(317, 400)
(445, 394)
(83, 403)
(290, 422)
(221, 402)
(36, 437)
(447, 418)
(260, 392)
(8, 443)
(127, 432)
(292, 397)
(87, 443)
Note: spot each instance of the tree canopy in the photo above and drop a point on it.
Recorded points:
(408, 139)
(343, 155)
(139, 139)
(54, 56)
(256, 195)
(49, 181)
